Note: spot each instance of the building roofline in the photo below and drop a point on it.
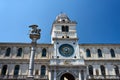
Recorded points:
(100, 44)
(81, 44)
(20, 43)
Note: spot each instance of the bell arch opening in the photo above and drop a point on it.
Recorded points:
(67, 76)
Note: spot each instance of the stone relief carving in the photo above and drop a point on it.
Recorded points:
(26, 50)
(50, 50)
(82, 51)
(14, 50)
(93, 50)
(38, 50)
(2, 52)
(117, 50)
(3, 48)
(106, 50)
(67, 62)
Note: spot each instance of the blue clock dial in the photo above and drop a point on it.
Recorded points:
(66, 50)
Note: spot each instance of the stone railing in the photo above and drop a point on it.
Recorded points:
(67, 62)
(110, 77)
(72, 33)
(5, 77)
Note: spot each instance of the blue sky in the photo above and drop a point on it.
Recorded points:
(98, 20)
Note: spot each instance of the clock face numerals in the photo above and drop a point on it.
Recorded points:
(66, 50)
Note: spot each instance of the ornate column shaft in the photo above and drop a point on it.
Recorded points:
(31, 62)
(34, 35)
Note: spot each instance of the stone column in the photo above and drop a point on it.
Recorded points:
(31, 62)
(108, 69)
(34, 36)
(50, 75)
(85, 75)
(55, 74)
(0, 70)
(80, 75)
(94, 70)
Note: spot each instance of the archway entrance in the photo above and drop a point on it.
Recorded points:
(67, 76)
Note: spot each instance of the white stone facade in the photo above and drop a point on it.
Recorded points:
(85, 62)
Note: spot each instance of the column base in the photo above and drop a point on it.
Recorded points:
(30, 78)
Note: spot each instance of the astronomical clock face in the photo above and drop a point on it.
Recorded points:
(66, 50)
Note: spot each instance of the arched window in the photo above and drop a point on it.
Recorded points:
(16, 70)
(4, 70)
(112, 53)
(99, 53)
(8, 52)
(88, 54)
(44, 52)
(63, 28)
(67, 29)
(19, 53)
(90, 69)
(43, 70)
(116, 70)
(102, 70)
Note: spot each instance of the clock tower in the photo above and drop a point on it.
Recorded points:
(66, 61)
(64, 38)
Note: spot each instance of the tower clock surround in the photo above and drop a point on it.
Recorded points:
(66, 50)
